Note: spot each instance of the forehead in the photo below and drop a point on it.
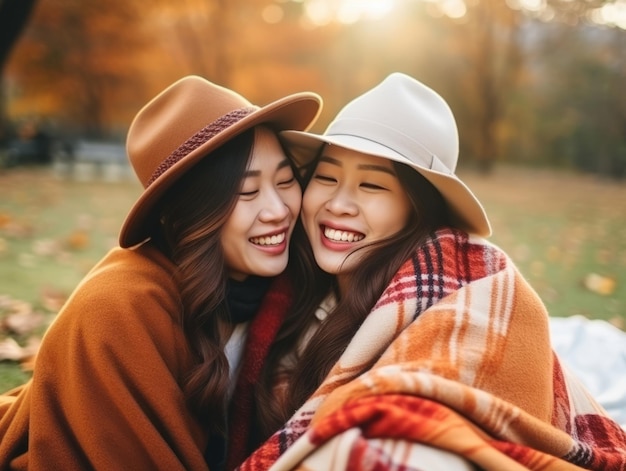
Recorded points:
(353, 157)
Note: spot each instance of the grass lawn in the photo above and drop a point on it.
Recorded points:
(566, 232)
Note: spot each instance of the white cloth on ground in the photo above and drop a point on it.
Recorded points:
(595, 351)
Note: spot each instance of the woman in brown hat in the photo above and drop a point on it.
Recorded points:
(134, 373)
(415, 343)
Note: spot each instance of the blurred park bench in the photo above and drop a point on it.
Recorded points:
(87, 160)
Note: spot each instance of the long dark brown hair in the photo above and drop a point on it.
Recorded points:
(188, 232)
(376, 269)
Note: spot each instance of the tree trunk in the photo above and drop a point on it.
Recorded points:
(14, 15)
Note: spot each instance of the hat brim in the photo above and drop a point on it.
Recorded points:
(467, 211)
(298, 111)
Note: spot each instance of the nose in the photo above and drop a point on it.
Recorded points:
(342, 203)
(274, 208)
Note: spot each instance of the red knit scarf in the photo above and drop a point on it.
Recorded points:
(261, 335)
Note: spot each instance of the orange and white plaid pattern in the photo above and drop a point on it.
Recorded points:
(464, 364)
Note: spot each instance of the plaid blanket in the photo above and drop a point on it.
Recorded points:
(464, 365)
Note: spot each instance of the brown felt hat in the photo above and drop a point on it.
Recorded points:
(185, 123)
(403, 120)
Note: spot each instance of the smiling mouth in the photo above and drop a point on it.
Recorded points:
(275, 239)
(337, 235)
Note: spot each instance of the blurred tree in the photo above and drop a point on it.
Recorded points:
(14, 14)
(570, 12)
(488, 51)
(486, 64)
(197, 34)
(582, 96)
(77, 63)
(342, 60)
(235, 43)
(93, 65)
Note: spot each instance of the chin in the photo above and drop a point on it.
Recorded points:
(330, 268)
(272, 270)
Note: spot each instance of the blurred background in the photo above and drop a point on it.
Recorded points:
(530, 81)
(537, 87)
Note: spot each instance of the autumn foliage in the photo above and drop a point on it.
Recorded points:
(525, 86)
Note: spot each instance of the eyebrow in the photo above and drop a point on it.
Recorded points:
(256, 173)
(378, 168)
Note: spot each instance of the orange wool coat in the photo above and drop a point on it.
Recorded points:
(106, 391)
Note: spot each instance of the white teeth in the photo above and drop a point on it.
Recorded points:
(269, 240)
(342, 236)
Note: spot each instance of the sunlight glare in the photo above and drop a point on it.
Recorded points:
(514, 4)
(533, 5)
(454, 8)
(318, 11)
(321, 12)
(611, 14)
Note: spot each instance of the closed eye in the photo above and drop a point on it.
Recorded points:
(325, 178)
(372, 186)
(287, 183)
(248, 193)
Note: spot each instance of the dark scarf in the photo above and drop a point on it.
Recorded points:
(244, 300)
(244, 297)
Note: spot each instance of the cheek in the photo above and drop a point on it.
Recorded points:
(237, 220)
(293, 199)
(389, 216)
(310, 203)
(399, 215)
(228, 241)
(307, 214)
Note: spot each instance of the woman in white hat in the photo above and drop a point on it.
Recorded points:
(135, 371)
(415, 343)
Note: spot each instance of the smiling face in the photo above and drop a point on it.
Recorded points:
(255, 238)
(352, 200)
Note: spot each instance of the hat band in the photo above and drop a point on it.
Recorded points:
(205, 134)
(399, 143)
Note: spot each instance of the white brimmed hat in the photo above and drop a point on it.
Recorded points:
(403, 120)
